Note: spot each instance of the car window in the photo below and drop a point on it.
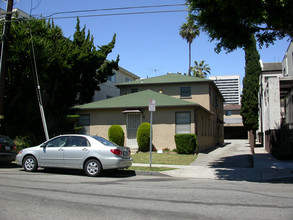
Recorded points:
(104, 141)
(77, 141)
(57, 142)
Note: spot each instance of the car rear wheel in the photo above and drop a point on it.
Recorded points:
(30, 164)
(93, 168)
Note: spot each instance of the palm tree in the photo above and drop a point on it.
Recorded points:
(189, 31)
(201, 69)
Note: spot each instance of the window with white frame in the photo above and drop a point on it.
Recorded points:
(183, 122)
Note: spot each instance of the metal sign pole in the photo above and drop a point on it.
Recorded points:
(152, 108)
(151, 138)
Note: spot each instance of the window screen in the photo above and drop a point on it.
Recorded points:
(183, 121)
(185, 92)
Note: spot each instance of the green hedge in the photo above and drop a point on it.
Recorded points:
(143, 137)
(185, 143)
(116, 135)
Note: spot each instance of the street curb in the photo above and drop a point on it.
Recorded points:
(150, 173)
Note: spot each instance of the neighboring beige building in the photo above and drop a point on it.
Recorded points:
(233, 127)
(109, 89)
(184, 104)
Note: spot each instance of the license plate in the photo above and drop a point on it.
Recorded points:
(125, 153)
(7, 148)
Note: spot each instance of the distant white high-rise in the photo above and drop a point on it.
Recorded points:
(229, 86)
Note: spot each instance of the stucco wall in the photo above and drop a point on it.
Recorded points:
(289, 109)
(287, 64)
(202, 123)
(272, 104)
(199, 91)
(164, 127)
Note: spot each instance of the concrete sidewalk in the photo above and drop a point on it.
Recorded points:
(233, 162)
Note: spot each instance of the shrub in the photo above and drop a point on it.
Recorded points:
(116, 135)
(71, 124)
(22, 142)
(185, 143)
(143, 137)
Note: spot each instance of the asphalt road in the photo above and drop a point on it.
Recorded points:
(57, 194)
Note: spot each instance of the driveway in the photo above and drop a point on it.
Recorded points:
(234, 153)
(232, 161)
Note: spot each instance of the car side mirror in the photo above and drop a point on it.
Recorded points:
(44, 145)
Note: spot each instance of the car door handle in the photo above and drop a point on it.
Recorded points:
(84, 149)
(60, 149)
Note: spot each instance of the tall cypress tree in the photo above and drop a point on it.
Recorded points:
(249, 101)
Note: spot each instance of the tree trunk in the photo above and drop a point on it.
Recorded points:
(189, 66)
(251, 141)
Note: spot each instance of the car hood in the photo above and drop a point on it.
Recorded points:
(31, 148)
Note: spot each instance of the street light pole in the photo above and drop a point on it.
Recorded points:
(4, 55)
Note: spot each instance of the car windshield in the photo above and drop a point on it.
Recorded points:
(105, 141)
(6, 140)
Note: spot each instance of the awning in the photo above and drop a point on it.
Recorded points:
(130, 111)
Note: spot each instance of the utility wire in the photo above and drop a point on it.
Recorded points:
(112, 9)
(116, 14)
(100, 15)
(52, 16)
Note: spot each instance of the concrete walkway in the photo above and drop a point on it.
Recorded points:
(234, 162)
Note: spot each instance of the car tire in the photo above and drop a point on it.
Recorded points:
(93, 168)
(30, 164)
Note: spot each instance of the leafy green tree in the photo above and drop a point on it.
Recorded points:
(233, 22)
(200, 69)
(249, 101)
(69, 72)
(189, 31)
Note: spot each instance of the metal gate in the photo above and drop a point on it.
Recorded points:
(133, 122)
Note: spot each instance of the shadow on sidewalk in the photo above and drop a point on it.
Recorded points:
(241, 168)
(240, 161)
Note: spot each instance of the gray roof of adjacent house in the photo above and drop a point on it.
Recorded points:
(269, 67)
(166, 79)
(137, 100)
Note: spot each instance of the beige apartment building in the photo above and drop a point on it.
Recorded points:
(184, 104)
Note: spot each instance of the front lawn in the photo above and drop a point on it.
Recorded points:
(168, 158)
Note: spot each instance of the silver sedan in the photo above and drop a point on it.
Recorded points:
(93, 154)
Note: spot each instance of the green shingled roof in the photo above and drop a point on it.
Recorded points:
(138, 99)
(169, 78)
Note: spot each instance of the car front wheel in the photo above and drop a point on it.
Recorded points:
(30, 164)
(93, 168)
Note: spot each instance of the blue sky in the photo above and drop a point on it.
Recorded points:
(148, 44)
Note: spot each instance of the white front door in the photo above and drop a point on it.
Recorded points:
(132, 123)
